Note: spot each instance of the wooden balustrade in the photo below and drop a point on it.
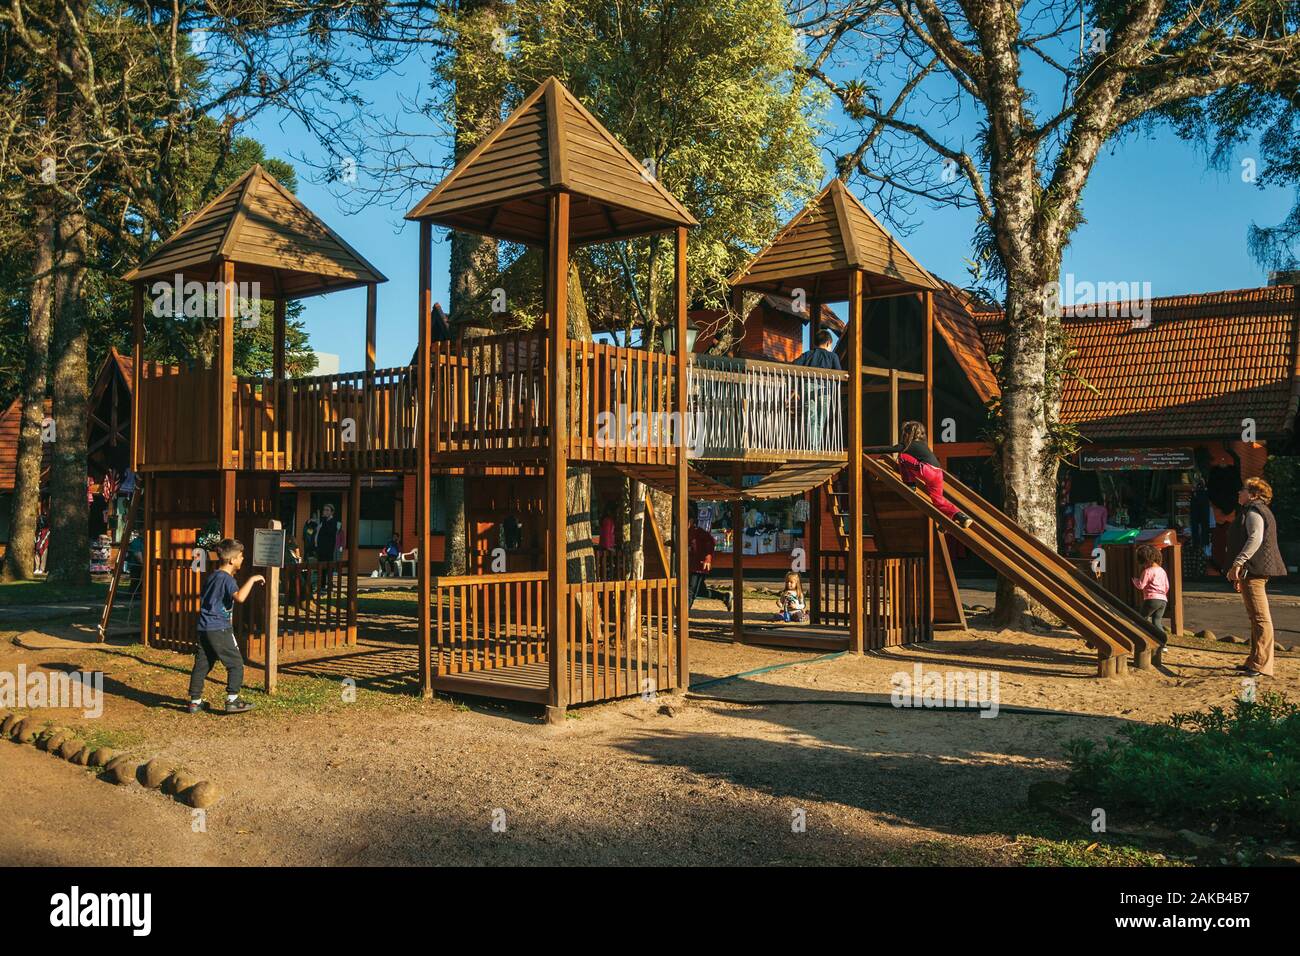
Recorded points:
(621, 638)
(620, 404)
(489, 395)
(894, 593)
(487, 621)
(744, 408)
(489, 404)
(313, 606)
(178, 423)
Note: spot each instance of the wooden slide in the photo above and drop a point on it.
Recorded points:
(1113, 629)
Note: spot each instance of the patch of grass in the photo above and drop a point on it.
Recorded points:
(1203, 770)
(1042, 851)
(14, 593)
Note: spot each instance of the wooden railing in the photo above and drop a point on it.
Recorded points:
(313, 606)
(621, 639)
(894, 593)
(620, 405)
(489, 395)
(489, 620)
(178, 417)
(743, 408)
(354, 420)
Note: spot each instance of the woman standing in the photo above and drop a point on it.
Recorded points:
(1253, 539)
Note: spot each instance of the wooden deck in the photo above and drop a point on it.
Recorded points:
(799, 637)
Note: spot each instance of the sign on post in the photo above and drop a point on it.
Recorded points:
(268, 546)
(268, 552)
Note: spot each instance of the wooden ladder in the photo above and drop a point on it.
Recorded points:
(119, 561)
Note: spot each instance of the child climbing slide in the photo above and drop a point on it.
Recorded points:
(920, 469)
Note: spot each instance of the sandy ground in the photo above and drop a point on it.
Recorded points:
(713, 777)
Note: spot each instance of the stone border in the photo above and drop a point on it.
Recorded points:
(117, 768)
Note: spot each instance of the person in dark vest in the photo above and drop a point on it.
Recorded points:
(1253, 540)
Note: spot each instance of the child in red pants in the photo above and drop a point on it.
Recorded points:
(921, 469)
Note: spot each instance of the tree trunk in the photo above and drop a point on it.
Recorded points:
(69, 556)
(473, 260)
(1027, 460)
(20, 555)
(577, 534)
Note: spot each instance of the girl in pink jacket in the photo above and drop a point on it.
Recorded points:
(1154, 585)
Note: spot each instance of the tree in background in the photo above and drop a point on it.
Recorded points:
(110, 159)
(1047, 85)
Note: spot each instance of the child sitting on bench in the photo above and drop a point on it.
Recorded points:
(921, 469)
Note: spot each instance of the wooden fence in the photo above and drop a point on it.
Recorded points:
(620, 405)
(487, 621)
(894, 596)
(744, 408)
(621, 638)
(489, 395)
(178, 422)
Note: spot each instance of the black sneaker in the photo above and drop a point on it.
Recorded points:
(193, 707)
(964, 520)
(238, 706)
(726, 600)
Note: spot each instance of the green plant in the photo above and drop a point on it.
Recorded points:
(1238, 767)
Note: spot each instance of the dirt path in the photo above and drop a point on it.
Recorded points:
(313, 779)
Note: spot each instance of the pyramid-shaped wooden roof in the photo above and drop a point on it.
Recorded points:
(818, 248)
(271, 236)
(548, 144)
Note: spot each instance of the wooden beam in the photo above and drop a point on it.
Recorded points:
(813, 538)
(226, 369)
(137, 360)
(681, 500)
(424, 478)
(556, 281)
(927, 365)
(737, 559)
(371, 321)
(354, 544)
(856, 565)
(277, 362)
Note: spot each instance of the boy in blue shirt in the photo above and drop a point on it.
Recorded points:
(216, 629)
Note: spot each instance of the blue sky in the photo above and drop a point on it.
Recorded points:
(1154, 213)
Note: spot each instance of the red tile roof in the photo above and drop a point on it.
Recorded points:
(1205, 363)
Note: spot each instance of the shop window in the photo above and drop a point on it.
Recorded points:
(375, 524)
(438, 505)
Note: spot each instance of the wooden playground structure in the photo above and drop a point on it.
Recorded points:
(513, 410)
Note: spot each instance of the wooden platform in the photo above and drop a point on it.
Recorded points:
(799, 637)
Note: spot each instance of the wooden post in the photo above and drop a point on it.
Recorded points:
(226, 368)
(370, 326)
(928, 417)
(424, 479)
(354, 526)
(856, 566)
(556, 279)
(1174, 566)
(149, 561)
(813, 532)
(272, 621)
(737, 559)
(682, 498)
(277, 361)
(137, 361)
(813, 539)
(893, 406)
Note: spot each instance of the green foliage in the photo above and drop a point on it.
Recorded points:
(1213, 767)
(1283, 473)
(704, 92)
